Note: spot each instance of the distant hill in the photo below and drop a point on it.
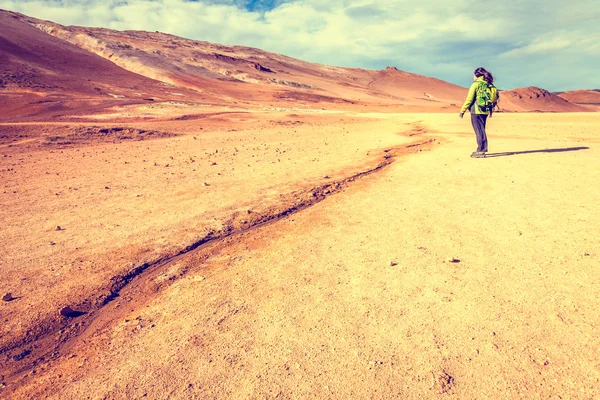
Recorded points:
(582, 96)
(535, 99)
(47, 66)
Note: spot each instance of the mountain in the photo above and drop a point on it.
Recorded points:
(535, 99)
(584, 97)
(41, 73)
(53, 71)
(227, 71)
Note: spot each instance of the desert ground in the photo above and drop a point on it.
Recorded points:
(301, 254)
(189, 220)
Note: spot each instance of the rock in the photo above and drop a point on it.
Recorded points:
(66, 311)
(51, 243)
(206, 184)
(452, 260)
(260, 68)
(70, 313)
(8, 297)
(393, 263)
(58, 228)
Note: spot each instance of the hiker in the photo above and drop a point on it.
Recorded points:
(481, 100)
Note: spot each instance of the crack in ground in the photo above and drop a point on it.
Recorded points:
(45, 345)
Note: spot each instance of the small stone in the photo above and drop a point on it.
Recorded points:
(452, 260)
(214, 163)
(70, 313)
(393, 263)
(58, 228)
(66, 311)
(8, 297)
(51, 243)
(206, 184)
(106, 187)
(326, 177)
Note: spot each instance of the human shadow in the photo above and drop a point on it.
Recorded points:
(514, 153)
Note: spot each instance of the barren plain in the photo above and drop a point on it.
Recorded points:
(302, 255)
(187, 220)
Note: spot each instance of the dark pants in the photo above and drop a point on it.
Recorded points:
(478, 122)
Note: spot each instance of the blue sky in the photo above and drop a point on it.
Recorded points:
(553, 44)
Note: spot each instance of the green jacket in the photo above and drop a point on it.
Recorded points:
(470, 103)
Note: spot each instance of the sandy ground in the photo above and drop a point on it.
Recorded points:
(349, 297)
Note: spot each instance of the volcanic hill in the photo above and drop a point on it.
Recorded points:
(54, 70)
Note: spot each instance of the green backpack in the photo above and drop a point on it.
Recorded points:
(487, 96)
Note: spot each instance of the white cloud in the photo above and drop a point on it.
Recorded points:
(431, 37)
(559, 42)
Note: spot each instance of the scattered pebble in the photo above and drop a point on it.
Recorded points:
(8, 297)
(58, 228)
(51, 243)
(106, 187)
(393, 263)
(452, 260)
(326, 177)
(206, 184)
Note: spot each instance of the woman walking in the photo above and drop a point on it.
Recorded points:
(481, 100)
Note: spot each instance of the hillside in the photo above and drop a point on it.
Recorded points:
(41, 74)
(535, 99)
(585, 97)
(224, 70)
(93, 69)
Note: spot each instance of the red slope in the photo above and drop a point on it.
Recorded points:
(535, 99)
(229, 71)
(130, 63)
(40, 72)
(582, 96)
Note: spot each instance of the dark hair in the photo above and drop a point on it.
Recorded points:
(487, 76)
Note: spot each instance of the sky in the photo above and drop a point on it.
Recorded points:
(552, 44)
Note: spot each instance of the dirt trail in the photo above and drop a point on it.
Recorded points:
(354, 297)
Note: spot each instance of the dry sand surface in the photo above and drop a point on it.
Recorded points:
(305, 255)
